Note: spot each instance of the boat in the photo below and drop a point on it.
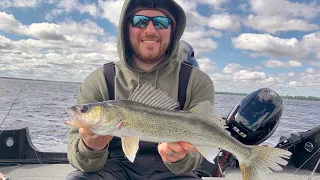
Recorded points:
(21, 160)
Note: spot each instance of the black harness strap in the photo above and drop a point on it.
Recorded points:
(109, 74)
(184, 75)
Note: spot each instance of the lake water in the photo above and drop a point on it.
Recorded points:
(41, 106)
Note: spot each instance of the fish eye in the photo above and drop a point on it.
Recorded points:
(84, 109)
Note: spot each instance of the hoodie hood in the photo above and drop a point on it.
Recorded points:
(123, 45)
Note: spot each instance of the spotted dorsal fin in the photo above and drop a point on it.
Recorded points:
(207, 112)
(149, 95)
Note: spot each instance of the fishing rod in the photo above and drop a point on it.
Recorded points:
(11, 108)
(314, 169)
(2, 176)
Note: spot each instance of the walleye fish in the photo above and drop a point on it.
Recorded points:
(150, 114)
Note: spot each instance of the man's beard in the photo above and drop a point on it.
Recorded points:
(148, 58)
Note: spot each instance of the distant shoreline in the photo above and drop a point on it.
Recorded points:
(310, 98)
(40, 80)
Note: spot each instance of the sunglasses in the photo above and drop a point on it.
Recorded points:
(159, 22)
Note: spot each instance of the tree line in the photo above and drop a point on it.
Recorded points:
(310, 98)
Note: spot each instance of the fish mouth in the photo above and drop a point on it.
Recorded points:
(74, 119)
(72, 115)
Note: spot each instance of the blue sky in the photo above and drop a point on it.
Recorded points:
(242, 45)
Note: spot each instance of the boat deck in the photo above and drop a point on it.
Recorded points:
(59, 171)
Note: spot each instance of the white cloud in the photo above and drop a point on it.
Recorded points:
(236, 78)
(111, 10)
(315, 63)
(90, 9)
(224, 22)
(310, 78)
(291, 74)
(219, 20)
(19, 3)
(311, 42)
(5, 44)
(197, 32)
(79, 33)
(206, 65)
(234, 72)
(257, 67)
(280, 64)
(45, 31)
(203, 45)
(281, 15)
(244, 74)
(310, 71)
(272, 81)
(49, 48)
(189, 6)
(274, 63)
(68, 6)
(273, 24)
(230, 68)
(54, 13)
(294, 84)
(244, 80)
(201, 38)
(292, 63)
(243, 7)
(73, 49)
(215, 3)
(56, 60)
(268, 45)
(285, 8)
(9, 24)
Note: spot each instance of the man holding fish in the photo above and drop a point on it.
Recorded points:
(157, 140)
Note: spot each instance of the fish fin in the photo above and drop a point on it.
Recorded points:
(149, 95)
(130, 146)
(118, 117)
(262, 160)
(208, 152)
(119, 121)
(206, 111)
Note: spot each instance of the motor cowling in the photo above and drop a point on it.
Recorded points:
(255, 118)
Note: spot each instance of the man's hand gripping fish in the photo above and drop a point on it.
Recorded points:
(150, 115)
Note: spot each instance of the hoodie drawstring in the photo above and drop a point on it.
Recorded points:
(156, 78)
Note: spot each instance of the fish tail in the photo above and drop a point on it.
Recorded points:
(261, 161)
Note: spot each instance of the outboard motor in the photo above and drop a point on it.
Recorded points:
(255, 118)
(252, 121)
